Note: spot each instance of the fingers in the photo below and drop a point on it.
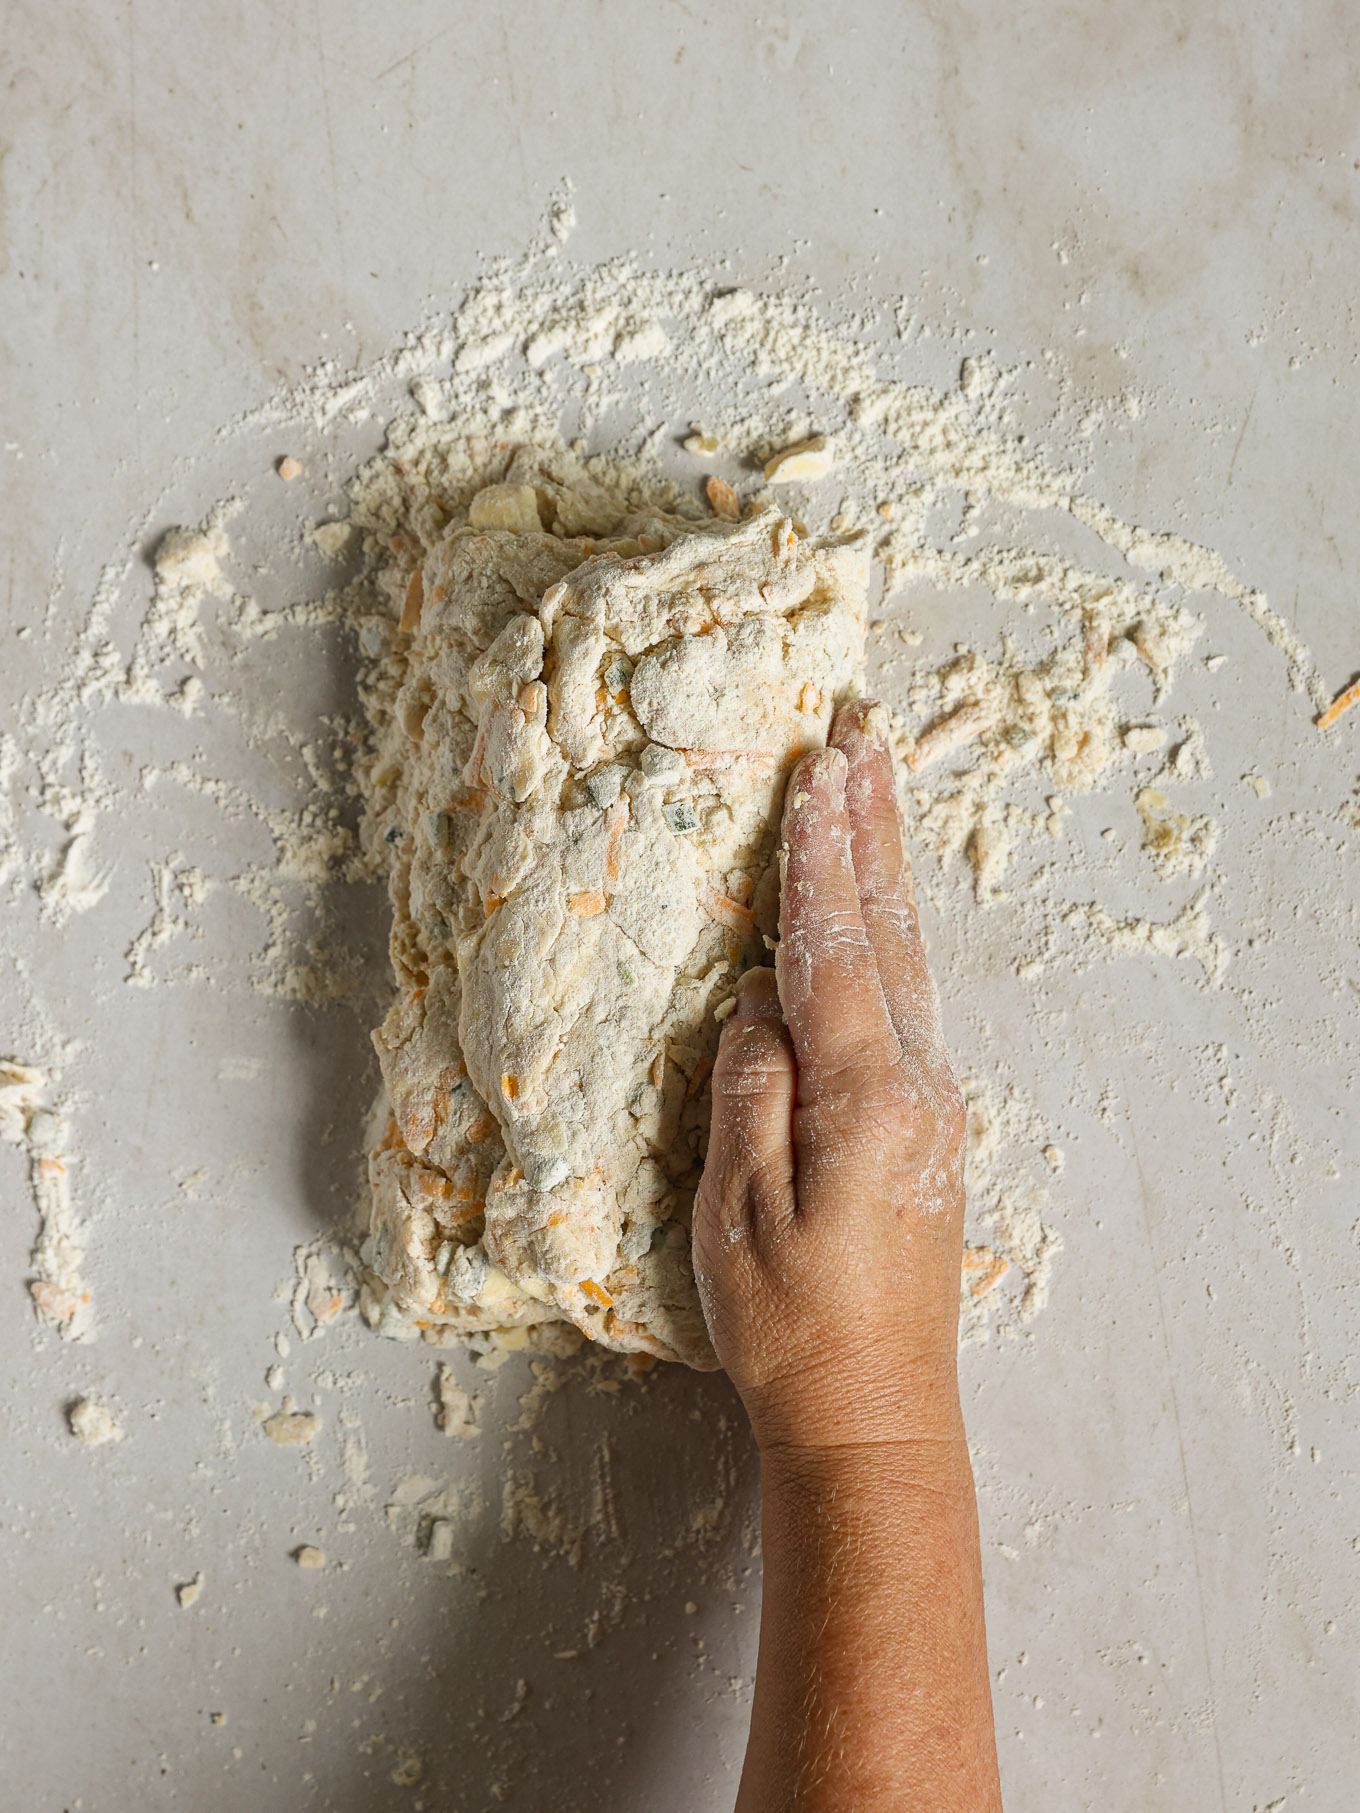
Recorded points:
(883, 874)
(750, 1147)
(828, 978)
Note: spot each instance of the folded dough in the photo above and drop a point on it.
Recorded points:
(581, 757)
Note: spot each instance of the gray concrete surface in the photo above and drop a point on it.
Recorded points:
(198, 202)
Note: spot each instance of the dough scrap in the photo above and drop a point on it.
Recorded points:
(581, 748)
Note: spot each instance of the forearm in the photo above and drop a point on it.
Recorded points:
(872, 1688)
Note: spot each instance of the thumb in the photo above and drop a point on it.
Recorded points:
(749, 1175)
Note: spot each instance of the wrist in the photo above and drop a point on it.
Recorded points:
(881, 1497)
(861, 1404)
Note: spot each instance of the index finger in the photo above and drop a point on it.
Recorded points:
(828, 980)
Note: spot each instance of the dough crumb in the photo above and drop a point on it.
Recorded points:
(701, 442)
(92, 1424)
(457, 1411)
(288, 468)
(292, 1428)
(330, 539)
(808, 461)
(1259, 785)
(1144, 739)
(190, 1591)
(190, 559)
(309, 1558)
(440, 1545)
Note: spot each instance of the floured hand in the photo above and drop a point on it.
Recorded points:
(827, 1240)
(829, 1226)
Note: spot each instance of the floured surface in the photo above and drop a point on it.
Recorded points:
(1106, 307)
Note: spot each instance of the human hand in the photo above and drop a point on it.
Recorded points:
(828, 1227)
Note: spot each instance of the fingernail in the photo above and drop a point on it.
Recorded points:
(869, 718)
(757, 995)
(874, 720)
(822, 771)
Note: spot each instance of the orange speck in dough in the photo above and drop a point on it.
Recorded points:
(731, 913)
(983, 1269)
(586, 905)
(509, 1086)
(597, 1293)
(414, 602)
(616, 822)
(722, 499)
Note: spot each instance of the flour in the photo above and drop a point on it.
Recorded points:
(457, 1411)
(1008, 1201)
(59, 1292)
(1189, 936)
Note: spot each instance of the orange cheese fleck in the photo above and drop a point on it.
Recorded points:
(414, 603)
(983, 1269)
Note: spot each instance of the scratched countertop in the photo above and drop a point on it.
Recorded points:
(199, 203)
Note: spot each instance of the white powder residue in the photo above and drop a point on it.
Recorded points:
(76, 881)
(1189, 935)
(456, 1414)
(176, 885)
(1006, 1134)
(60, 1294)
(543, 1517)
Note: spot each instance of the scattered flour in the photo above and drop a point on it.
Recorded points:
(1005, 1135)
(1189, 935)
(457, 1411)
(59, 1292)
(775, 404)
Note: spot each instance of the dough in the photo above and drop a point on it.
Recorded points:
(582, 755)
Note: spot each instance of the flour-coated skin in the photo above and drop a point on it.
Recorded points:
(828, 1233)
